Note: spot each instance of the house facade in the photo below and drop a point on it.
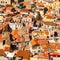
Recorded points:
(4, 2)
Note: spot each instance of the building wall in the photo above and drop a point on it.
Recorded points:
(19, 0)
(33, 0)
(27, 0)
(4, 2)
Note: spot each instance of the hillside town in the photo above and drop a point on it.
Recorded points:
(29, 29)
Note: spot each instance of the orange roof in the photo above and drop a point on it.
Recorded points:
(53, 47)
(1, 52)
(46, 55)
(18, 38)
(24, 54)
(58, 23)
(15, 33)
(42, 41)
(0, 37)
(46, 32)
(9, 5)
(44, 46)
(50, 17)
(46, 50)
(40, 4)
(1, 25)
(58, 15)
(33, 42)
(58, 46)
(50, 23)
(25, 3)
(43, 55)
(24, 10)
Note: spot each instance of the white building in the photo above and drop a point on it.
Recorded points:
(4, 2)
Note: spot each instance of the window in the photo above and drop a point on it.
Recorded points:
(6, 2)
(1, 1)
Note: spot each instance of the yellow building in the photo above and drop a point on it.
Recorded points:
(56, 4)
